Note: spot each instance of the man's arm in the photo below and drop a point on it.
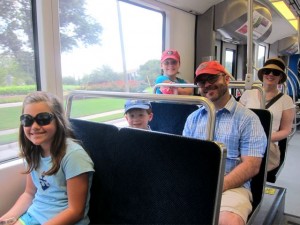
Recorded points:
(247, 169)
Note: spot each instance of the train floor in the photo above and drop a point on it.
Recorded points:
(289, 178)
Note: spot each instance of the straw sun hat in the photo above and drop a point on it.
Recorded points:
(275, 64)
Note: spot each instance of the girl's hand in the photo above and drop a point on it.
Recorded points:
(168, 90)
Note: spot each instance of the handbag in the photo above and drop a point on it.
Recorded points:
(274, 153)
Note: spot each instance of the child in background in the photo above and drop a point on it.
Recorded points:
(58, 170)
(170, 63)
(138, 113)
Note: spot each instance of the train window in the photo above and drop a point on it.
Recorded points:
(117, 45)
(229, 60)
(259, 59)
(261, 56)
(17, 70)
(117, 48)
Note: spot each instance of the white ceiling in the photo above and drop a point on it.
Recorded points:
(192, 6)
(282, 27)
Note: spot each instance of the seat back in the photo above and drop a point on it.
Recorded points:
(144, 177)
(274, 173)
(170, 117)
(258, 181)
(99, 140)
(166, 179)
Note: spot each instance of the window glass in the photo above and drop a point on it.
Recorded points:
(229, 57)
(260, 59)
(108, 46)
(261, 56)
(17, 70)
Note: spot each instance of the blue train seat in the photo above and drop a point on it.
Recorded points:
(145, 177)
(99, 140)
(181, 111)
(166, 179)
(258, 182)
(170, 117)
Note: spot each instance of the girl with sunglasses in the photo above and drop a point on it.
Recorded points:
(170, 63)
(283, 109)
(58, 170)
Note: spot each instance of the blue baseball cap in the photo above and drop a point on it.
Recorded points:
(137, 104)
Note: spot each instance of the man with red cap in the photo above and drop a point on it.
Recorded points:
(242, 133)
(170, 63)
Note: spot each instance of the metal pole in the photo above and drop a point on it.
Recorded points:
(249, 75)
(298, 34)
(122, 47)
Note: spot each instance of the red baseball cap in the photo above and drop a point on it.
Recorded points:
(170, 54)
(211, 68)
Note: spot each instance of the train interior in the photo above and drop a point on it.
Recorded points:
(211, 30)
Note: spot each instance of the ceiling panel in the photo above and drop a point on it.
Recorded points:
(193, 6)
(295, 4)
(282, 27)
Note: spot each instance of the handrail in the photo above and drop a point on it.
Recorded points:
(294, 92)
(294, 127)
(292, 84)
(183, 99)
(293, 89)
(256, 85)
(173, 85)
(243, 82)
(295, 76)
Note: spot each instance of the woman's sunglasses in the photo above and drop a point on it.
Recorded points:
(41, 119)
(274, 72)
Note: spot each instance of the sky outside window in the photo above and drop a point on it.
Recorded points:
(142, 38)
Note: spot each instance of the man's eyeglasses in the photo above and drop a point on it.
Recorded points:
(211, 79)
(42, 119)
(274, 72)
(170, 62)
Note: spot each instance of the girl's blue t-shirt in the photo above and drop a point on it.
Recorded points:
(163, 78)
(51, 197)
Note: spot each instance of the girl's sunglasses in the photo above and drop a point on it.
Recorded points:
(41, 119)
(170, 62)
(274, 72)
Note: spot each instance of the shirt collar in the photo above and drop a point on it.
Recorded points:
(229, 107)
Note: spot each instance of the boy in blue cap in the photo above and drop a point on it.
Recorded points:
(138, 113)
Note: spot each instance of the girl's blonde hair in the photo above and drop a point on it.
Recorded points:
(32, 152)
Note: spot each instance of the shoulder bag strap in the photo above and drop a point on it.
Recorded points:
(273, 100)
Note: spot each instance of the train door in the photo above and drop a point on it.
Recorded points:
(218, 45)
(229, 57)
